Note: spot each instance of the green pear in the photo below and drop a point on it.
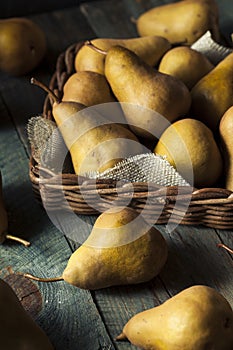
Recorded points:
(185, 64)
(150, 49)
(94, 142)
(213, 94)
(197, 318)
(18, 330)
(121, 249)
(149, 99)
(181, 22)
(23, 45)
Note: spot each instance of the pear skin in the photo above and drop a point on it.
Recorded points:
(121, 249)
(87, 88)
(189, 146)
(181, 22)
(197, 318)
(23, 45)
(186, 64)
(213, 94)
(149, 99)
(150, 49)
(95, 143)
(18, 330)
(226, 132)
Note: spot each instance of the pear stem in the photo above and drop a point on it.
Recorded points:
(121, 336)
(221, 245)
(18, 239)
(95, 48)
(45, 88)
(41, 279)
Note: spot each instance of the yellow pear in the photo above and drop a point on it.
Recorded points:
(185, 64)
(190, 147)
(121, 249)
(181, 22)
(18, 330)
(213, 94)
(95, 143)
(23, 45)
(150, 49)
(197, 318)
(226, 132)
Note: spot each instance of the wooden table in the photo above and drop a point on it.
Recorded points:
(77, 319)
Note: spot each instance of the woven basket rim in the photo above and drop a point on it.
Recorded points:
(216, 199)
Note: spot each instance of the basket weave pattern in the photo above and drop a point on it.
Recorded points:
(212, 207)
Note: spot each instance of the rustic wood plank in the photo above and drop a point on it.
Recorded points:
(108, 23)
(69, 315)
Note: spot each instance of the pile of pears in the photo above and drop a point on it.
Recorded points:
(152, 93)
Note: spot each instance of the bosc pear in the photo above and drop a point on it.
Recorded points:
(23, 45)
(149, 49)
(149, 99)
(226, 132)
(18, 330)
(197, 318)
(186, 64)
(95, 143)
(213, 94)
(181, 22)
(121, 249)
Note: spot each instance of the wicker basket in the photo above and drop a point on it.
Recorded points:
(212, 207)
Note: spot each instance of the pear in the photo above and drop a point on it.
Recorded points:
(190, 147)
(95, 143)
(150, 49)
(197, 318)
(181, 22)
(23, 45)
(226, 132)
(87, 88)
(91, 89)
(4, 234)
(18, 330)
(213, 94)
(121, 249)
(150, 100)
(185, 64)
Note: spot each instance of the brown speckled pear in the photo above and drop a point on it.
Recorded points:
(150, 49)
(197, 318)
(146, 95)
(121, 249)
(23, 45)
(95, 143)
(226, 133)
(190, 147)
(18, 330)
(181, 22)
(213, 94)
(185, 64)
